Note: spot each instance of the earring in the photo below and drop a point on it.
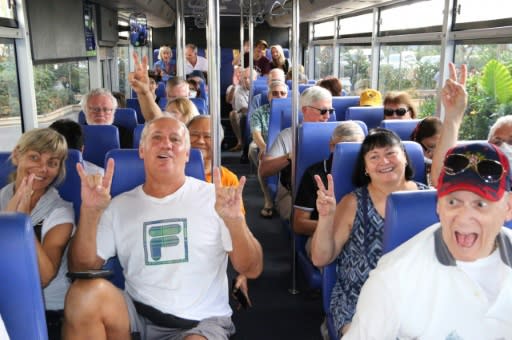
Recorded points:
(366, 173)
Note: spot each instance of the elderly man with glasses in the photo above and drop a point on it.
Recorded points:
(99, 107)
(316, 106)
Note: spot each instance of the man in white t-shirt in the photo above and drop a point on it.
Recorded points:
(454, 279)
(173, 236)
(193, 61)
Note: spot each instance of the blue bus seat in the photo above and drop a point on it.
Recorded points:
(126, 117)
(98, 140)
(160, 90)
(303, 87)
(21, 296)
(344, 160)
(69, 189)
(402, 127)
(129, 173)
(6, 168)
(328, 281)
(341, 104)
(162, 102)
(402, 218)
(133, 103)
(200, 105)
(371, 115)
(137, 133)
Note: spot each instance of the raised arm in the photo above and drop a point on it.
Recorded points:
(247, 255)
(455, 100)
(139, 81)
(95, 192)
(334, 223)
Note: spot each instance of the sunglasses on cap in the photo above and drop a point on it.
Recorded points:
(323, 111)
(489, 170)
(399, 112)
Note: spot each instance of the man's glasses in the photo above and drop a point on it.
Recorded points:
(195, 135)
(489, 170)
(101, 109)
(399, 112)
(279, 94)
(323, 111)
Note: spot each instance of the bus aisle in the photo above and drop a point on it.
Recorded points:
(276, 314)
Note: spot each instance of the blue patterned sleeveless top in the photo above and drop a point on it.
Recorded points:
(357, 258)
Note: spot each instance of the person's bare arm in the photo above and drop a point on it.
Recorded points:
(139, 81)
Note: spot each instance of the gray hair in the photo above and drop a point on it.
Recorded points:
(502, 121)
(197, 118)
(165, 115)
(313, 94)
(192, 47)
(162, 50)
(275, 84)
(95, 93)
(279, 76)
(348, 131)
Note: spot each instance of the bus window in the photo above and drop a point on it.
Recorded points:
(10, 122)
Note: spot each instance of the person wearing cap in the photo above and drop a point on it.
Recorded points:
(261, 62)
(454, 279)
(399, 105)
(370, 97)
(193, 61)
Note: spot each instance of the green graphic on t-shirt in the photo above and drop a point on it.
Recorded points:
(163, 236)
(166, 241)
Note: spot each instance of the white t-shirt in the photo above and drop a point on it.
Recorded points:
(240, 98)
(412, 295)
(282, 145)
(173, 250)
(201, 65)
(3, 331)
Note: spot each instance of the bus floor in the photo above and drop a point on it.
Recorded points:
(276, 313)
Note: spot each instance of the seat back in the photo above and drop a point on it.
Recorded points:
(341, 104)
(329, 277)
(126, 117)
(402, 218)
(160, 89)
(344, 160)
(303, 87)
(69, 189)
(6, 167)
(402, 127)
(137, 133)
(21, 297)
(200, 105)
(133, 103)
(371, 115)
(129, 169)
(98, 140)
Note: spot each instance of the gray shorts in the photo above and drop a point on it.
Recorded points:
(211, 328)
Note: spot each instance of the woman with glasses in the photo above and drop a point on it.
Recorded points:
(350, 233)
(399, 105)
(38, 158)
(427, 134)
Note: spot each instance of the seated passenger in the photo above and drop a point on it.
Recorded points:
(316, 106)
(72, 132)
(235, 81)
(457, 272)
(370, 97)
(332, 84)
(173, 236)
(182, 108)
(154, 79)
(237, 56)
(39, 161)
(350, 233)
(427, 134)
(177, 87)
(399, 105)
(276, 74)
(500, 134)
(259, 129)
(194, 90)
(303, 79)
(278, 58)
(164, 66)
(260, 62)
(194, 62)
(121, 99)
(305, 213)
(99, 106)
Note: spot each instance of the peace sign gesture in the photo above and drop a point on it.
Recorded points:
(139, 79)
(325, 201)
(453, 94)
(95, 189)
(228, 200)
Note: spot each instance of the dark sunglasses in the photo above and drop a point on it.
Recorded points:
(399, 112)
(279, 93)
(489, 170)
(323, 111)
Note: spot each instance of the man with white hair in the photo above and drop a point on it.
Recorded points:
(99, 107)
(193, 61)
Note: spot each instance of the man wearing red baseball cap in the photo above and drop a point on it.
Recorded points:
(454, 279)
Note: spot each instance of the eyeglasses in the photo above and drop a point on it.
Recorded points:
(101, 109)
(399, 112)
(279, 93)
(489, 170)
(195, 135)
(323, 111)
